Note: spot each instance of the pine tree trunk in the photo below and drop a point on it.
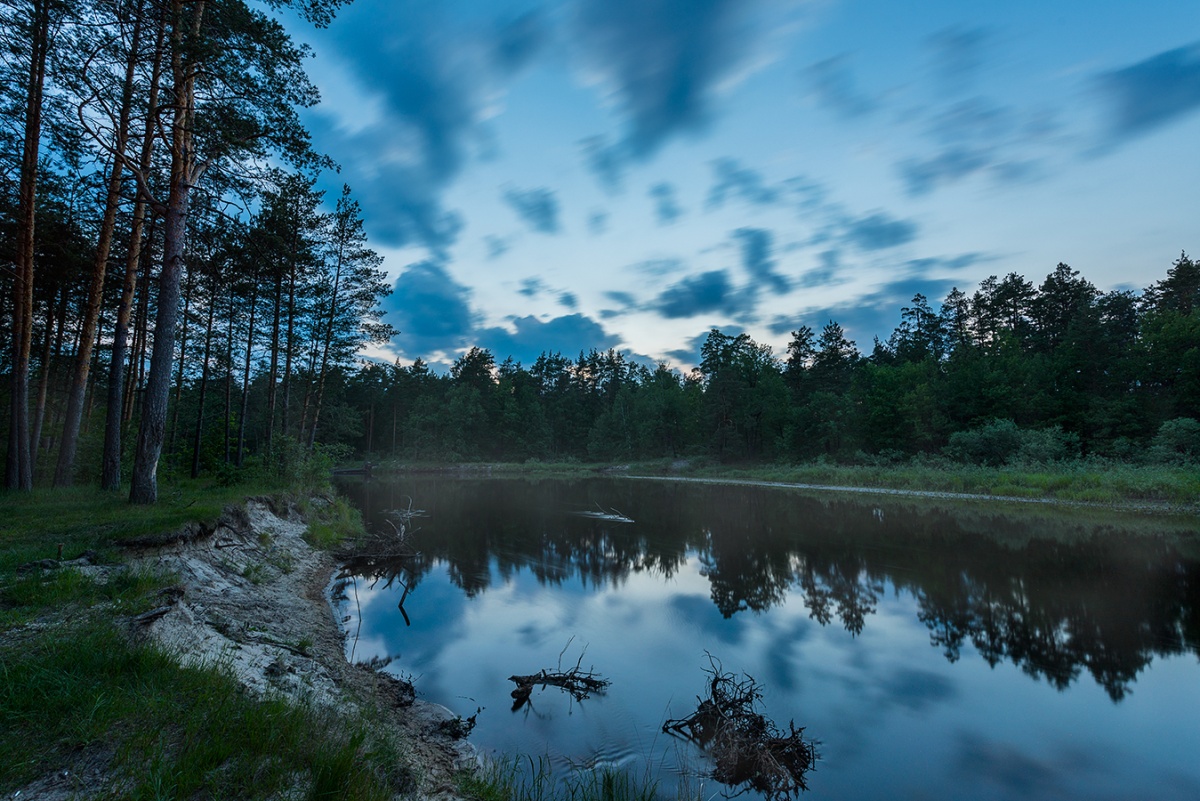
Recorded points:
(118, 394)
(241, 435)
(203, 386)
(83, 356)
(185, 173)
(19, 474)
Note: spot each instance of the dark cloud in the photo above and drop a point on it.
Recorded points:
(1151, 93)
(428, 89)
(531, 287)
(706, 292)
(497, 246)
(569, 300)
(922, 176)
(605, 161)
(825, 275)
(663, 60)
(538, 208)
(531, 337)
(666, 206)
(878, 231)
(519, 40)
(958, 56)
(625, 299)
(733, 181)
(756, 259)
(598, 222)
(430, 309)
(832, 84)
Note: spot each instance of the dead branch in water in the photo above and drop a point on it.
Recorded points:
(746, 748)
(576, 681)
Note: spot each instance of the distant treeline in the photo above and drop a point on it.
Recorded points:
(1013, 372)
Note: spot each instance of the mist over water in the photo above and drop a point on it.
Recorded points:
(970, 650)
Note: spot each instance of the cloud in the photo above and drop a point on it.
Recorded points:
(832, 84)
(958, 56)
(922, 176)
(825, 275)
(597, 222)
(1151, 93)
(430, 83)
(878, 231)
(658, 267)
(874, 314)
(756, 259)
(530, 337)
(662, 62)
(569, 300)
(518, 40)
(538, 208)
(625, 299)
(497, 246)
(733, 181)
(666, 206)
(706, 292)
(605, 162)
(430, 309)
(531, 287)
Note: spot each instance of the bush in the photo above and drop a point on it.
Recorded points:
(1000, 442)
(1177, 442)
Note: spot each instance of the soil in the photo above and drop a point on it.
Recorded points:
(253, 595)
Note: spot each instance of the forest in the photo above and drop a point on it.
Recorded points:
(177, 294)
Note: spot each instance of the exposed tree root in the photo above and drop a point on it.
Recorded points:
(746, 748)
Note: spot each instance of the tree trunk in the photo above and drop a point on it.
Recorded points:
(183, 338)
(118, 395)
(184, 175)
(212, 304)
(35, 438)
(274, 371)
(83, 355)
(241, 435)
(19, 474)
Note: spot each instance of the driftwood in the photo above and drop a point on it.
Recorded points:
(746, 748)
(576, 681)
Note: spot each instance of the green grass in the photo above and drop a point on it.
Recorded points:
(174, 732)
(76, 691)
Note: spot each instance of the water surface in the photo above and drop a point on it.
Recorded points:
(935, 650)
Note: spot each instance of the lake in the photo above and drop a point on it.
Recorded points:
(935, 649)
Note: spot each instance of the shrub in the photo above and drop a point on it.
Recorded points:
(1177, 442)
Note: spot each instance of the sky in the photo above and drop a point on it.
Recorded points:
(575, 174)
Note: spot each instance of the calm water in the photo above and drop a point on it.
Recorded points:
(974, 651)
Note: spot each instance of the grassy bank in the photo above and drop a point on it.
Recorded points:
(1083, 481)
(79, 694)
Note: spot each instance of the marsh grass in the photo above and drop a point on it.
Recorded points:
(528, 779)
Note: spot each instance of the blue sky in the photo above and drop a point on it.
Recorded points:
(631, 173)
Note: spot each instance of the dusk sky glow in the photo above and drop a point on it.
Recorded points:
(631, 173)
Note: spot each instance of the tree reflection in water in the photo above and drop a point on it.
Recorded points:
(1055, 593)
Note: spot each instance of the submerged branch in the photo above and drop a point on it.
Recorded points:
(746, 748)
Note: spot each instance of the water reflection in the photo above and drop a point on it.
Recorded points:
(1051, 593)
